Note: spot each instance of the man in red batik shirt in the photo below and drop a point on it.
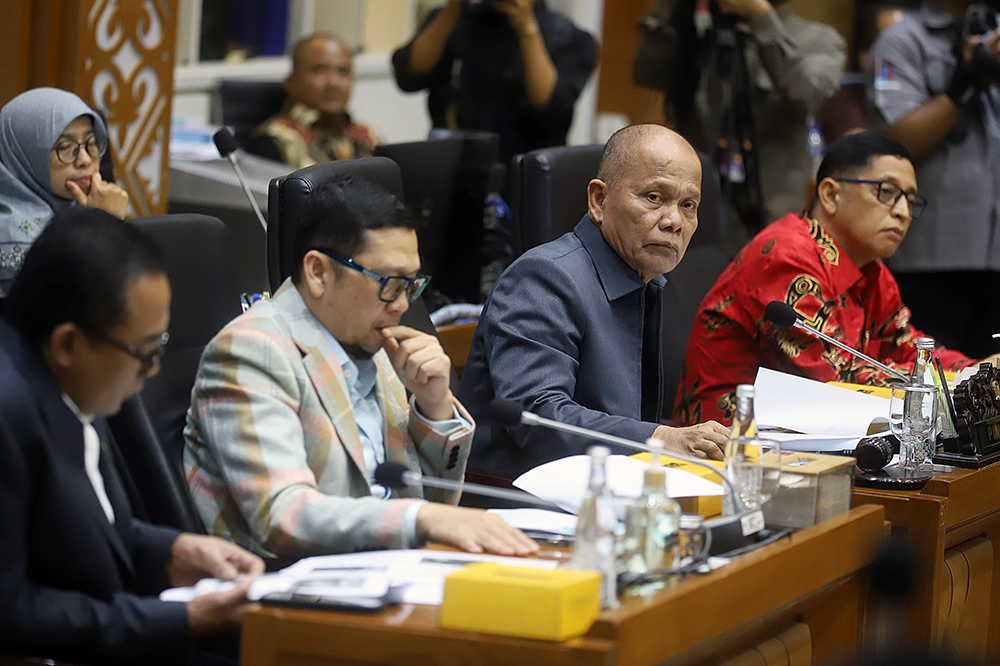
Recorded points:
(828, 266)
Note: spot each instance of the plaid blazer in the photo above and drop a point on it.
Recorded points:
(273, 455)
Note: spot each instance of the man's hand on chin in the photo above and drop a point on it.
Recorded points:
(424, 369)
(705, 440)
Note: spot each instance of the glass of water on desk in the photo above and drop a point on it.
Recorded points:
(913, 417)
(754, 466)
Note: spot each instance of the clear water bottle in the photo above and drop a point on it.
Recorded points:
(594, 545)
(652, 539)
(744, 427)
(923, 373)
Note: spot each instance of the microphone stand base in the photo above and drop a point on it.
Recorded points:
(732, 532)
(966, 461)
(892, 477)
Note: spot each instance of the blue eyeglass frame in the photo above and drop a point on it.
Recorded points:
(412, 286)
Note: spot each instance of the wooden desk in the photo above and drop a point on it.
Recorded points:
(814, 577)
(952, 510)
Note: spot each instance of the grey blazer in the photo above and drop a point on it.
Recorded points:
(561, 334)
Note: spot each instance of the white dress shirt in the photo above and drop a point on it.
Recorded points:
(91, 457)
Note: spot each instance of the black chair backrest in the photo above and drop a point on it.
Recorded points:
(287, 196)
(205, 297)
(429, 171)
(549, 191)
(244, 105)
(705, 259)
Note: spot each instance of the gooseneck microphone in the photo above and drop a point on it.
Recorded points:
(397, 475)
(508, 413)
(784, 316)
(226, 143)
(728, 532)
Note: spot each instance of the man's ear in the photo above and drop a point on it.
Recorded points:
(597, 191)
(62, 343)
(315, 275)
(830, 196)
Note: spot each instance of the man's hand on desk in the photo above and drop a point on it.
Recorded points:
(705, 440)
(217, 611)
(196, 556)
(471, 530)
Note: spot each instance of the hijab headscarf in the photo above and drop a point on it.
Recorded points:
(29, 126)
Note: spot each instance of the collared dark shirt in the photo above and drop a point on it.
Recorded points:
(479, 82)
(561, 335)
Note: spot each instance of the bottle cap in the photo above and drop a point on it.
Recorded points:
(598, 451)
(655, 476)
(925, 343)
(744, 391)
(691, 521)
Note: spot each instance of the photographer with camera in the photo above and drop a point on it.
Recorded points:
(931, 87)
(508, 66)
(757, 73)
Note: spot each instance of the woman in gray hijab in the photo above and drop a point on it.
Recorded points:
(51, 144)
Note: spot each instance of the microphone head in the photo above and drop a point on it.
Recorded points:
(390, 475)
(780, 314)
(504, 412)
(873, 454)
(225, 141)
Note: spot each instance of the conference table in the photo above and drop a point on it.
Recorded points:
(801, 599)
(953, 527)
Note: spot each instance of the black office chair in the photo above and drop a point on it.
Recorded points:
(150, 427)
(549, 195)
(548, 191)
(705, 259)
(243, 105)
(429, 171)
(286, 199)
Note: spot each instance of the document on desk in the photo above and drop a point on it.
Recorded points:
(829, 417)
(564, 482)
(395, 576)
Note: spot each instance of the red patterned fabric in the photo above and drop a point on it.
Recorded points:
(795, 261)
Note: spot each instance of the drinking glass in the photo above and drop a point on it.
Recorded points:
(912, 418)
(755, 467)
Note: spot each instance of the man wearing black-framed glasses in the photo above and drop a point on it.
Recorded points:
(84, 326)
(827, 265)
(300, 399)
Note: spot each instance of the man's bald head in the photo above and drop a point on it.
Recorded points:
(322, 74)
(302, 47)
(645, 197)
(623, 148)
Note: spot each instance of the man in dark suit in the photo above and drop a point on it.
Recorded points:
(85, 324)
(572, 328)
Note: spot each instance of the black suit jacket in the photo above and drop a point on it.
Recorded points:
(72, 585)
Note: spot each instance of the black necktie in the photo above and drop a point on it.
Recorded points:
(651, 393)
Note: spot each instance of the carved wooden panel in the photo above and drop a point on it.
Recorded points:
(125, 69)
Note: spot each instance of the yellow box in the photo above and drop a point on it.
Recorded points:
(520, 601)
(706, 505)
(880, 391)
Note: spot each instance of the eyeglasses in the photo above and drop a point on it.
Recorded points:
(890, 194)
(147, 359)
(392, 285)
(67, 151)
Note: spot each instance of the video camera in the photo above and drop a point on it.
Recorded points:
(980, 19)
